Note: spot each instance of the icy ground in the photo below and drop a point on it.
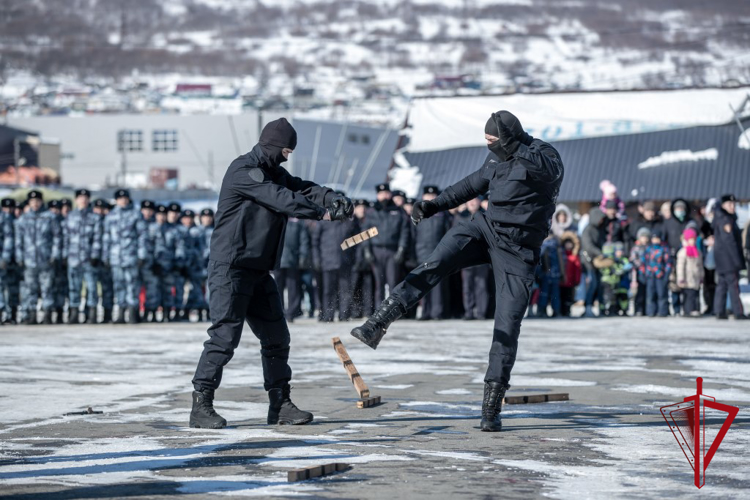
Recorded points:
(608, 441)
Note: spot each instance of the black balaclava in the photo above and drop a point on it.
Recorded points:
(276, 136)
(515, 128)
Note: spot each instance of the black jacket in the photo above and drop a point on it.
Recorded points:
(593, 238)
(674, 227)
(640, 222)
(296, 245)
(326, 244)
(429, 232)
(523, 192)
(254, 203)
(392, 224)
(727, 245)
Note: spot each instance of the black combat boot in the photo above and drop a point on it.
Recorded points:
(59, 319)
(47, 319)
(91, 319)
(73, 316)
(375, 327)
(107, 318)
(282, 411)
(133, 317)
(119, 318)
(203, 415)
(494, 392)
(13, 315)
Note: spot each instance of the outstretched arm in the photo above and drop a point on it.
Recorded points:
(255, 184)
(466, 189)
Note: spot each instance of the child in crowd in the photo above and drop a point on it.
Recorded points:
(571, 248)
(656, 266)
(637, 255)
(552, 267)
(609, 192)
(615, 280)
(690, 271)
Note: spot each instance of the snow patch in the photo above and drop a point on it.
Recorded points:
(682, 155)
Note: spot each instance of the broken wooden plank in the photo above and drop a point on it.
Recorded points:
(316, 471)
(359, 238)
(351, 370)
(367, 402)
(536, 398)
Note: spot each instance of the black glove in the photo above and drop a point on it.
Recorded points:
(400, 256)
(342, 207)
(369, 257)
(95, 262)
(423, 210)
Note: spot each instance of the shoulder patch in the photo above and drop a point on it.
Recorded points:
(256, 174)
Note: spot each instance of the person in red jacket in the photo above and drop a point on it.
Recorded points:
(572, 275)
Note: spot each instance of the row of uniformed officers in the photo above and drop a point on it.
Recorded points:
(104, 263)
(81, 252)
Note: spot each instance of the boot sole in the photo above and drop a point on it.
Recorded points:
(301, 421)
(490, 428)
(358, 335)
(196, 425)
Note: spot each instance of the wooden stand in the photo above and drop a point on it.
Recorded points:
(315, 471)
(359, 238)
(365, 400)
(535, 398)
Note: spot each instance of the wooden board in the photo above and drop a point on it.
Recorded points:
(351, 370)
(359, 238)
(536, 398)
(316, 471)
(367, 402)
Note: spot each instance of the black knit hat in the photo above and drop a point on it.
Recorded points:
(511, 122)
(279, 133)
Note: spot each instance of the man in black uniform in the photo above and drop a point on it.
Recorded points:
(387, 252)
(256, 198)
(523, 176)
(428, 236)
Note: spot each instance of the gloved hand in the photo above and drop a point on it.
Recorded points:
(95, 262)
(400, 256)
(342, 207)
(423, 210)
(368, 256)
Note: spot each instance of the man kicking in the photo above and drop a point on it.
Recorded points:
(256, 198)
(523, 177)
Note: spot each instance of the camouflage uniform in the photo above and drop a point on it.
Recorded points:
(82, 248)
(177, 275)
(38, 245)
(60, 280)
(207, 232)
(124, 249)
(194, 245)
(7, 237)
(157, 270)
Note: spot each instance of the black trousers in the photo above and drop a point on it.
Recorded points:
(239, 295)
(336, 294)
(385, 270)
(476, 299)
(362, 291)
(468, 244)
(709, 290)
(728, 283)
(291, 281)
(568, 298)
(691, 302)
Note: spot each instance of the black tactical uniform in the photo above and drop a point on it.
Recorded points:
(256, 198)
(523, 176)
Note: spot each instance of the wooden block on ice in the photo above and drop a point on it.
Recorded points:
(315, 471)
(359, 238)
(367, 402)
(351, 370)
(536, 398)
